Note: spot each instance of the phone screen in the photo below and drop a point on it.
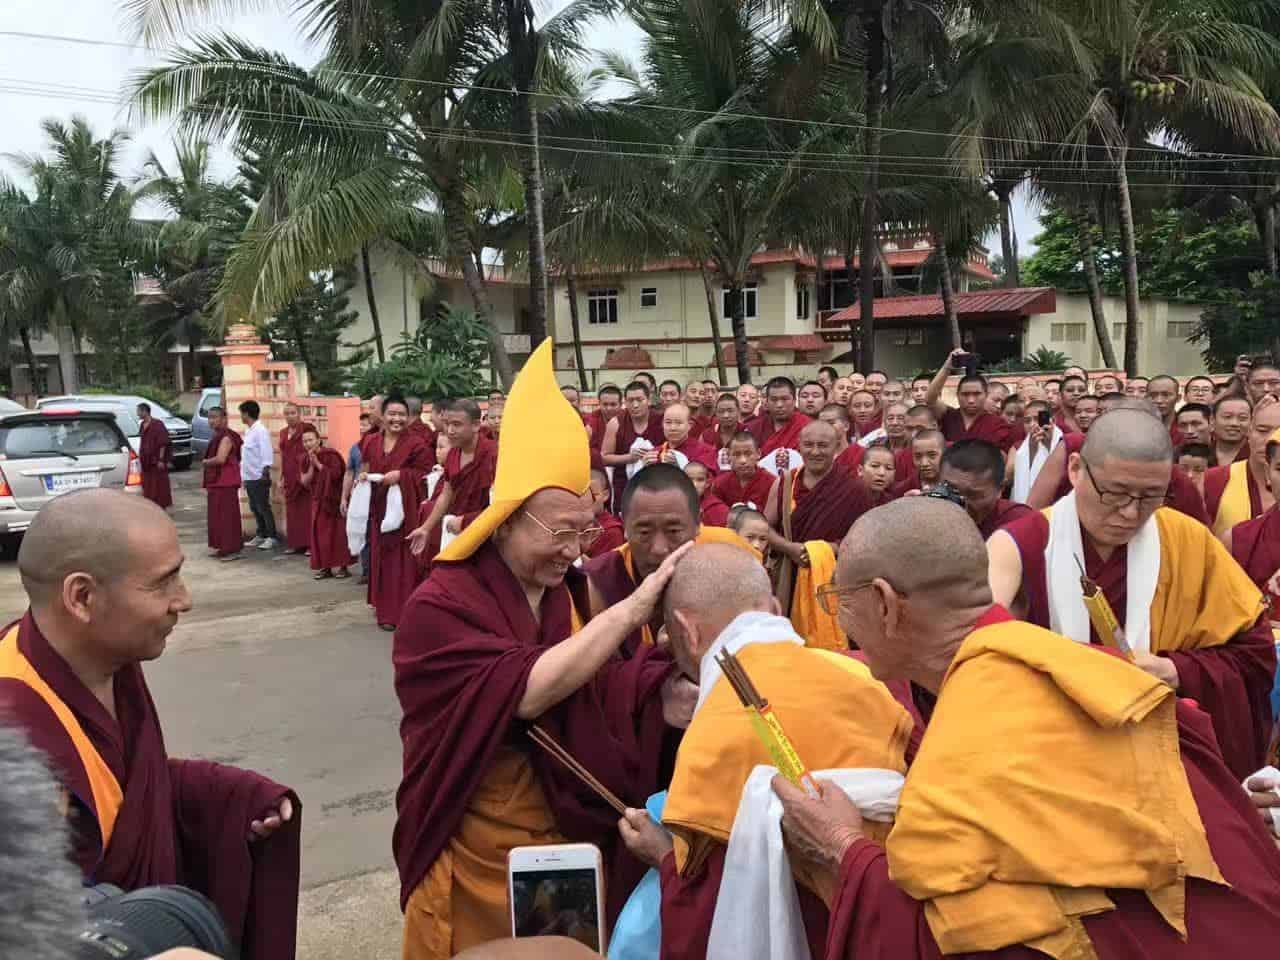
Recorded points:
(557, 903)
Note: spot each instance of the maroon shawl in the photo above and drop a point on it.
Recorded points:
(828, 510)
(291, 457)
(328, 527)
(182, 821)
(470, 485)
(462, 659)
(626, 436)
(770, 438)
(611, 538)
(612, 580)
(1003, 514)
(1232, 682)
(227, 475)
(393, 570)
(872, 919)
(153, 457)
(987, 426)
(1255, 544)
(699, 452)
(713, 512)
(731, 490)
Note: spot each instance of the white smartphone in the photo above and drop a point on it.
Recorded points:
(557, 891)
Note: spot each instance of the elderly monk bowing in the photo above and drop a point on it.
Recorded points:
(835, 714)
(1156, 852)
(323, 472)
(103, 574)
(661, 511)
(297, 495)
(493, 641)
(777, 429)
(1189, 613)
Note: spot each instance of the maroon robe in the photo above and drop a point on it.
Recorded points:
(626, 436)
(713, 512)
(858, 431)
(470, 485)
(872, 919)
(733, 491)
(610, 578)
(696, 450)
(462, 659)
(770, 438)
(393, 570)
(1182, 496)
(828, 510)
(297, 498)
(611, 538)
(851, 457)
(153, 457)
(181, 821)
(1255, 544)
(987, 426)
(904, 471)
(1231, 682)
(226, 534)
(1215, 485)
(1003, 514)
(717, 441)
(420, 428)
(328, 526)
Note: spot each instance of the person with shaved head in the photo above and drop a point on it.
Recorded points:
(297, 495)
(1191, 616)
(680, 443)
(221, 481)
(777, 429)
(638, 421)
(1240, 491)
(724, 426)
(975, 469)
(1025, 728)
(836, 716)
(971, 419)
(102, 571)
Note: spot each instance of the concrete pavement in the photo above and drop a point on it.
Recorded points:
(291, 677)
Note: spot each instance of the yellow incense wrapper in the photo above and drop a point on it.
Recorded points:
(1102, 616)
(781, 750)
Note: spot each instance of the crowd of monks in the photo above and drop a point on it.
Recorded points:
(997, 769)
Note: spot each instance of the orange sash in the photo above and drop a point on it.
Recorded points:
(107, 795)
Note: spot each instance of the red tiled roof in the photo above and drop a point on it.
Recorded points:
(628, 358)
(730, 353)
(1018, 301)
(794, 341)
(896, 258)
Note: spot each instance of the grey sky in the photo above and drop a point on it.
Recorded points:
(48, 78)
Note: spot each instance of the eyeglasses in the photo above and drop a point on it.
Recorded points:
(582, 539)
(1119, 499)
(829, 596)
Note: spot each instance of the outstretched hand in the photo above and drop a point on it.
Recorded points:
(646, 596)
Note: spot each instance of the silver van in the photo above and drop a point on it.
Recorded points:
(201, 432)
(51, 452)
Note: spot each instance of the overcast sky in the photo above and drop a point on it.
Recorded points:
(42, 78)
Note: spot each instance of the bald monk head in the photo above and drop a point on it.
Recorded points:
(712, 585)
(676, 423)
(819, 444)
(1121, 474)
(102, 570)
(837, 416)
(912, 577)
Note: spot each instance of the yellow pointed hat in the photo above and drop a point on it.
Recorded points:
(542, 444)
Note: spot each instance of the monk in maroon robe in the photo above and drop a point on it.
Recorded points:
(1255, 544)
(221, 482)
(402, 461)
(463, 490)
(608, 408)
(778, 428)
(744, 481)
(679, 437)
(725, 427)
(1225, 485)
(1231, 680)
(71, 677)
(638, 420)
(975, 469)
(297, 496)
(323, 470)
(712, 510)
(153, 458)
(970, 421)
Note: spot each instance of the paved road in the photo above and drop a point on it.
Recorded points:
(274, 671)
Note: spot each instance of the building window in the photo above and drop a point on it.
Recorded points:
(1180, 329)
(648, 296)
(602, 306)
(802, 301)
(1117, 332)
(1066, 332)
(748, 303)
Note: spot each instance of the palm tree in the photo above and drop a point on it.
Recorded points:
(64, 244)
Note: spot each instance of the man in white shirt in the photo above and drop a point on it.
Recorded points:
(256, 457)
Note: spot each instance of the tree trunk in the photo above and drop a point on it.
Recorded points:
(533, 206)
(1008, 242)
(738, 316)
(66, 352)
(32, 374)
(1269, 240)
(373, 303)
(819, 280)
(717, 343)
(455, 222)
(855, 341)
(949, 297)
(1130, 253)
(874, 27)
(1090, 260)
(575, 323)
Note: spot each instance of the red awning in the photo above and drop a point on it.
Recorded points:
(996, 304)
(794, 341)
(628, 358)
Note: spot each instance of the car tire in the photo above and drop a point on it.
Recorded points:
(181, 463)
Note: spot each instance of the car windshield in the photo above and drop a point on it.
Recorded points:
(125, 419)
(76, 438)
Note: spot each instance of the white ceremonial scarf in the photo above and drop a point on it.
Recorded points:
(1026, 469)
(757, 913)
(744, 629)
(875, 436)
(1067, 613)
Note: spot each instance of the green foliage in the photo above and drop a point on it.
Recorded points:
(310, 329)
(442, 359)
(1247, 321)
(1043, 360)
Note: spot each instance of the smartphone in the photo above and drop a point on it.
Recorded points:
(557, 891)
(1044, 417)
(960, 362)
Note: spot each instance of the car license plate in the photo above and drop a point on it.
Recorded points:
(66, 482)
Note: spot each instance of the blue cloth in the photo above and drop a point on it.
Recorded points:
(353, 458)
(1275, 690)
(638, 933)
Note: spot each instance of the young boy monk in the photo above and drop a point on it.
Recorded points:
(745, 482)
(612, 536)
(714, 511)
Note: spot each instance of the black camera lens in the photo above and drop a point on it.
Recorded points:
(147, 922)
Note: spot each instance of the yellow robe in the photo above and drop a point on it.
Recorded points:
(1235, 505)
(1014, 820)
(818, 627)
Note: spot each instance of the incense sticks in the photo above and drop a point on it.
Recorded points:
(1101, 615)
(549, 744)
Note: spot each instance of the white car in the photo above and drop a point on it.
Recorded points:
(126, 412)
